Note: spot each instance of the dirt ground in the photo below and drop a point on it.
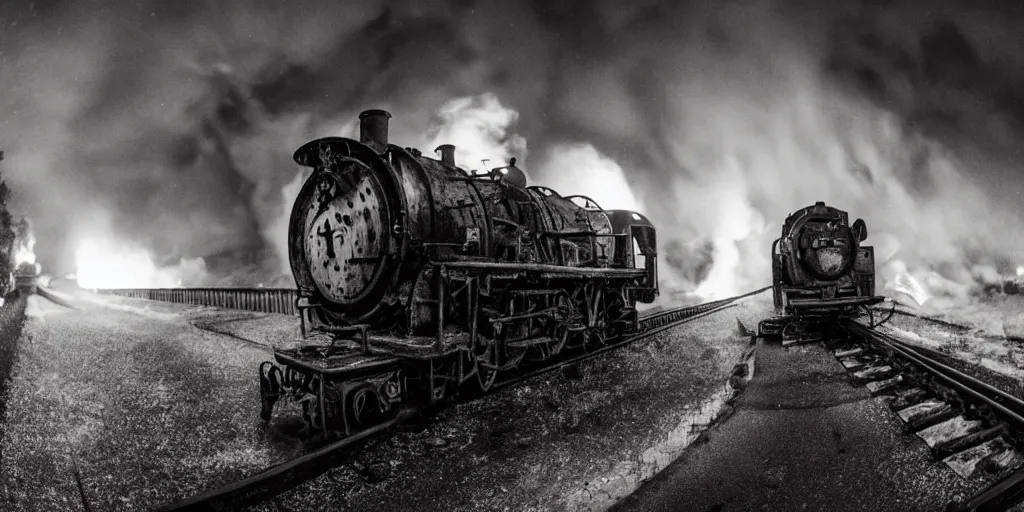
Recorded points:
(991, 337)
(151, 402)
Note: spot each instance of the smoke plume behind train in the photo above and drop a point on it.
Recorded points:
(175, 139)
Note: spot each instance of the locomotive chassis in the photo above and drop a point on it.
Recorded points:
(332, 371)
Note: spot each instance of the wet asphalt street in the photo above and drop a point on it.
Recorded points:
(803, 438)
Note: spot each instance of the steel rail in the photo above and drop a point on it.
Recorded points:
(46, 294)
(1007, 404)
(999, 496)
(260, 300)
(270, 300)
(1009, 490)
(284, 476)
(932, 319)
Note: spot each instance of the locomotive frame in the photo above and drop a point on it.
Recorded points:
(475, 275)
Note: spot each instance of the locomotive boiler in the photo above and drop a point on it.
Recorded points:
(820, 272)
(418, 280)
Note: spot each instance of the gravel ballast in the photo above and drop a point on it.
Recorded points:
(152, 406)
(145, 409)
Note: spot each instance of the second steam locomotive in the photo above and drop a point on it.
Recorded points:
(820, 272)
(418, 280)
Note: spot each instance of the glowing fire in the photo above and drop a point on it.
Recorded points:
(24, 249)
(23, 254)
(104, 264)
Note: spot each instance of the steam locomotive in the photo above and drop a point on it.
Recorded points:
(25, 277)
(820, 272)
(418, 280)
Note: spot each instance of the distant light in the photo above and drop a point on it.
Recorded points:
(636, 216)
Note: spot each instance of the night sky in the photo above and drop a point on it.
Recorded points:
(170, 125)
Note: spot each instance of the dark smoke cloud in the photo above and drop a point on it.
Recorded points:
(172, 124)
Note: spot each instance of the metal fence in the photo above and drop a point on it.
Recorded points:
(263, 300)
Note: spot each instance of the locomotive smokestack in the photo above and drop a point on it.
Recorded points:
(373, 129)
(447, 154)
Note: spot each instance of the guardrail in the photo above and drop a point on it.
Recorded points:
(262, 300)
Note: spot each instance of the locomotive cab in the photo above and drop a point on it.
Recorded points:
(636, 247)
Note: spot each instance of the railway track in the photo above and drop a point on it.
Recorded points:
(969, 425)
(282, 477)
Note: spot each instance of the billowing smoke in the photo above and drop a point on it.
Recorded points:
(176, 121)
(478, 125)
(579, 169)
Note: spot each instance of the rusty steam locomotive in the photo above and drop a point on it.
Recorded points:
(820, 272)
(418, 280)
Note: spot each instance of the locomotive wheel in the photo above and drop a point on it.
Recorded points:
(561, 330)
(586, 299)
(443, 378)
(270, 389)
(485, 376)
(622, 317)
(561, 336)
(311, 411)
(364, 406)
(598, 336)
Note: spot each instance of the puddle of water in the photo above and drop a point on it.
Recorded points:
(628, 475)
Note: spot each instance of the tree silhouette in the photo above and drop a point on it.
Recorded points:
(7, 234)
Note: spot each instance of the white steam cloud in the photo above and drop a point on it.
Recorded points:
(579, 169)
(478, 126)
